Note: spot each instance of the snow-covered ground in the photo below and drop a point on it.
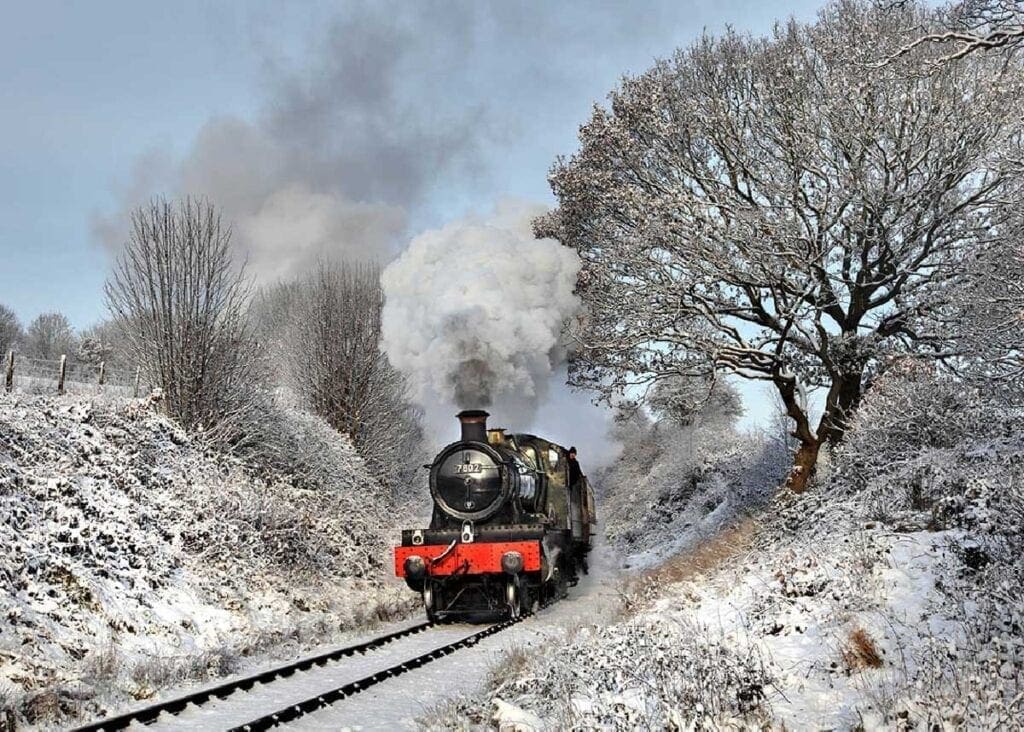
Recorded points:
(887, 597)
(132, 559)
(400, 703)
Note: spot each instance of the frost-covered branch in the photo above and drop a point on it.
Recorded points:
(771, 208)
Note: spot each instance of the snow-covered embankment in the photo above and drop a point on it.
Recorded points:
(132, 559)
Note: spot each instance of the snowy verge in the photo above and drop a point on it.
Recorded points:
(885, 598)
(133, 558)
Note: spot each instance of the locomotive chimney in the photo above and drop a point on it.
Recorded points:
(474, 425)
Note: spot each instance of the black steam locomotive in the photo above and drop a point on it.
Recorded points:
(508, 530)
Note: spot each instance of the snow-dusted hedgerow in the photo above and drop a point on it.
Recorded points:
(675, 484)
(132, 557)
(887, 597)
(927, 451)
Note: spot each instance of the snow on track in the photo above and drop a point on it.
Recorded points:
(396, 704)
(244, 706)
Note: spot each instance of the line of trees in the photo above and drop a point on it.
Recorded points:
(50, 336)
(804, 209)
(225, 356)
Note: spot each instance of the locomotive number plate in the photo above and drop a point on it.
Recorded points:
(469, 468)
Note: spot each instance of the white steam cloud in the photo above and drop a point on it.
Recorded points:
(474, 312)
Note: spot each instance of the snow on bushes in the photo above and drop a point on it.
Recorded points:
(677, 483)
(927, 451)
(887, 597)
(647, 673)
(132, 557)
(935, 450)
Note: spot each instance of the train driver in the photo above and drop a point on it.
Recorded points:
(575, 473)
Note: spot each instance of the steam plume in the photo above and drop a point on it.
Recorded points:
(474, 312)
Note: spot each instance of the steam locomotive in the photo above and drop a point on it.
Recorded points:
(507, 531)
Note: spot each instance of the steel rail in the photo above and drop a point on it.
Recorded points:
(326, 699)
(149, 714)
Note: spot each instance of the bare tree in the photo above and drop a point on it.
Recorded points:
(181, 301)
(331, 344)
(50, 336)
(11, 333)
(975, 26)
(985, 318)
(784, 209)
(272, 314)
(682, 400)
(105, 342)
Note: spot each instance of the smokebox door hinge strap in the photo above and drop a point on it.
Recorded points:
(440, 557)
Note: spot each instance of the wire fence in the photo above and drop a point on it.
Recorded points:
(60, 376)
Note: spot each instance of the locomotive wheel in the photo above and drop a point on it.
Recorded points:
(514, 598)
(430, 601)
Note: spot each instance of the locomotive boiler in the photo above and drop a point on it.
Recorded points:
(508, 528)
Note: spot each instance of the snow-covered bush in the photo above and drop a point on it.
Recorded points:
(132, 555)
(932, 449)
(647, 673)
(676, 482)
(929, 451)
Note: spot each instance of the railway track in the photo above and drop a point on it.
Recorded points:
(198, 700)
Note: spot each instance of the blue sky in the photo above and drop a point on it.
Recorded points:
(398, 117)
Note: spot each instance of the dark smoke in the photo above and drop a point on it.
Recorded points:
(397, 109)
(348, 142)
(472, 384)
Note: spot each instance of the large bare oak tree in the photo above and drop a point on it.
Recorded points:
(785, 209)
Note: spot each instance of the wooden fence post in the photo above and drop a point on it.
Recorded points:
(9, 379)
(138, 375)
(103, 373)
(63, 373)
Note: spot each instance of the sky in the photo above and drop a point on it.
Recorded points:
(320, 129)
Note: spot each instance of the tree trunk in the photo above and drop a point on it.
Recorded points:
(807, 454)
(803, 466)
(840, 404)
(842, 400)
